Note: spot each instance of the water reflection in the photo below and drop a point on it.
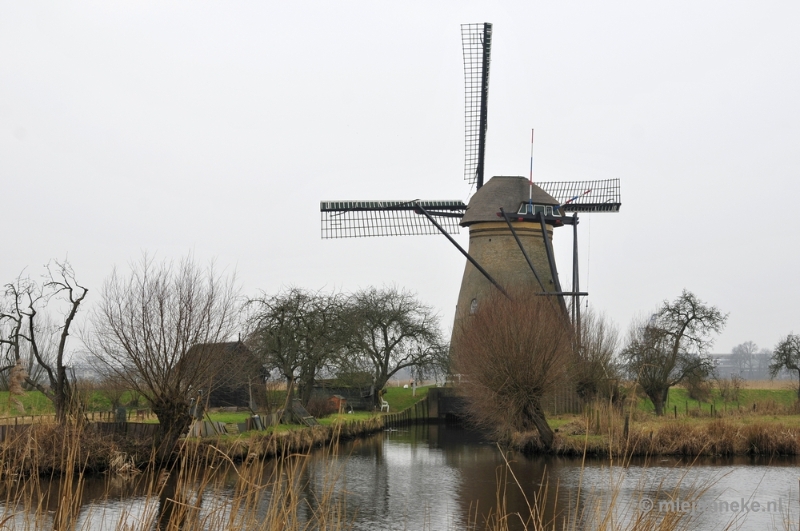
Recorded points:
(444, 477)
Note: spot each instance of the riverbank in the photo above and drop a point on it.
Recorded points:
(601, 434)
(52, 449)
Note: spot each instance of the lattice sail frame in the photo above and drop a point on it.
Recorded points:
(476, 43)
(603, 197)
(360, 219)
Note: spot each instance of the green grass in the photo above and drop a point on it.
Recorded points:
(557, 422)
(35, 404)
(400, 399)
(346, 417)
(747, 397)
(228, 418)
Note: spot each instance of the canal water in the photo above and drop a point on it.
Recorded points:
(445, 477)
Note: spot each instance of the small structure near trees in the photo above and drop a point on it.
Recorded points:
(147, 322)
(230, 384)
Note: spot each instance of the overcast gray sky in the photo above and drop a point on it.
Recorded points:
(216, 128)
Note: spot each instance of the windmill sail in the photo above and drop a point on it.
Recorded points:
(585, 196)
(356, 219)
(476, 43)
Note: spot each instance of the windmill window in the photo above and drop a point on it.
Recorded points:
(538, 209)
(473, 306)
(548, 211)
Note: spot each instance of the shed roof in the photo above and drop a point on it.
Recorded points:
(502, 191)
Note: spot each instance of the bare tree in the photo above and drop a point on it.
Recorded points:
(744, 356)
(597, 375)
(297, 332)
(113, 388)
(25, 318)
(671, 346)
(763, 358)
(145, 326)
(787, 356)
(511, 353)
(392, 330)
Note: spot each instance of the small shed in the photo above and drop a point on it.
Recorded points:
(339, 402)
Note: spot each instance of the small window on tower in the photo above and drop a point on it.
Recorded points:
(523, 208)
(473, 306)
(538, 208)
(548, 211)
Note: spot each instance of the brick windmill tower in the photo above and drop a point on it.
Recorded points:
(510, 219)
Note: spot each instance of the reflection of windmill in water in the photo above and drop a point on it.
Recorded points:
(510, 219)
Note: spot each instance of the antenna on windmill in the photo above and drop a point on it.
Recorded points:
(530, 179)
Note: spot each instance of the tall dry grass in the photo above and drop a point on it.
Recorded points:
(588, 508)
(193, 492)
(615, 432)
(196, 490)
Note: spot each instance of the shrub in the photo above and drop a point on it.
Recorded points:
(511, 352)
(698, 387)
(320, 407)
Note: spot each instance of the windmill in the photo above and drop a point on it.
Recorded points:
(510, 219)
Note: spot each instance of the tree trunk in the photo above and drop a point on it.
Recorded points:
(173, 421)
(305, 389)
(380, 383)
(62, 399)
(536, 416)
(658, 402)
(798, 384)
(288, 402)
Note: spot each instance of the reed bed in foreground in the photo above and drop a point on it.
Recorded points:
(203, 488)
(589, 509)
(225, 484)
(42, 449)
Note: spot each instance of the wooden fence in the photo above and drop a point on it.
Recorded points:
(419, 412)
(135, 430)
(91, 416)
(445, 404)
(562, 401)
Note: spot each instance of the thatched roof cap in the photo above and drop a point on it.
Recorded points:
(506, 192)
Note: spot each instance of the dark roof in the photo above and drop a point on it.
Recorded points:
(506, 192)
(223, 349)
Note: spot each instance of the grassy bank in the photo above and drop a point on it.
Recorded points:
(609, 431)
(779, 395)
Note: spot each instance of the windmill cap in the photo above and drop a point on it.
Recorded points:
(506, 192)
